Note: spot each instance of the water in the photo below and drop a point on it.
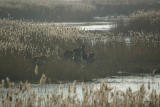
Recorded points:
(97, 27)
(87, 26)
(90, 26)
(116, 82)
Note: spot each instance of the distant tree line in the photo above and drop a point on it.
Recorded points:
(69, 11)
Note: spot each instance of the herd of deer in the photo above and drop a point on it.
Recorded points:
(79, 54)
(76, 55)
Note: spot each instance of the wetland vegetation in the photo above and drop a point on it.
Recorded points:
(45, 43)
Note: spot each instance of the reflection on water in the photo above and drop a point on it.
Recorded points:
(90, 26)
(96, 27)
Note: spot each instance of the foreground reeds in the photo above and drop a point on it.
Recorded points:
(22, 95)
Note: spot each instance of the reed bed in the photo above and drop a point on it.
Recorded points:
(21, 95)
(21, 42)
(142, 21)
(28, 37)
(145, 21)
(37, 39)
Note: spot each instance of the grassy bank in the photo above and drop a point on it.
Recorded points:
(25, 44)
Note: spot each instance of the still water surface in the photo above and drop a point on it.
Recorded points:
(90, 26)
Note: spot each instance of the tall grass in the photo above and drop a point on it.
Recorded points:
(21, 36)
(145, 21)
(22, 95)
